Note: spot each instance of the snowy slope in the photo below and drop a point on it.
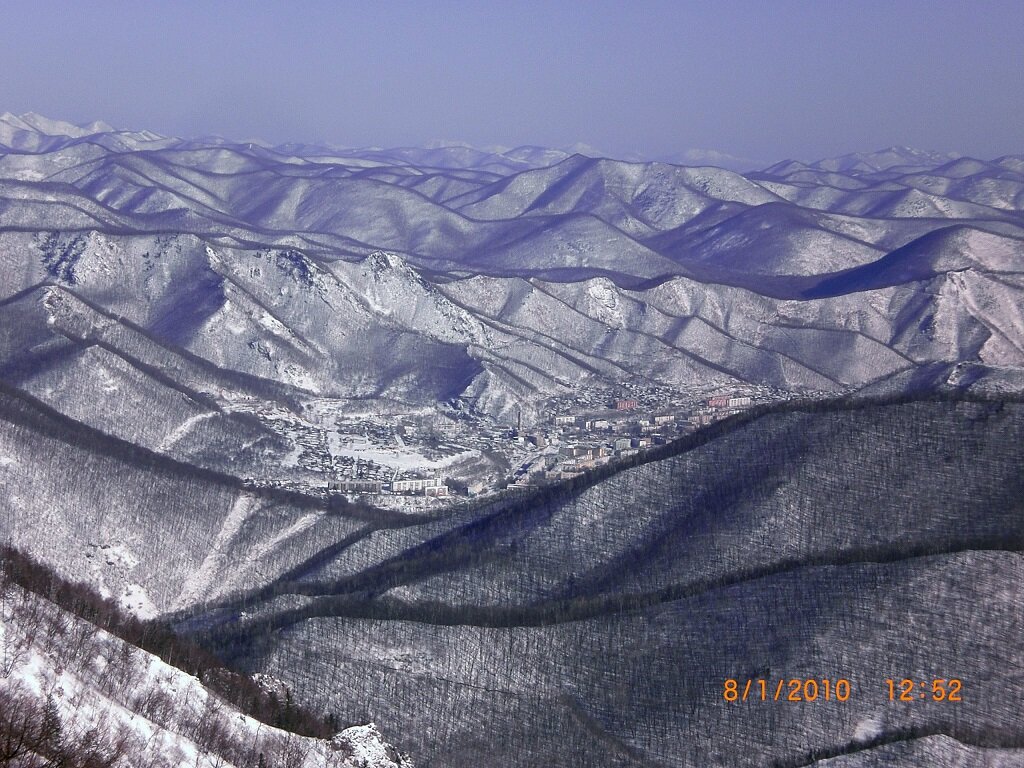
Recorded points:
(128, 708)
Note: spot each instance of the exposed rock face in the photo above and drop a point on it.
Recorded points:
(366, 748)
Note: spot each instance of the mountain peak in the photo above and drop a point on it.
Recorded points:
(33, 121)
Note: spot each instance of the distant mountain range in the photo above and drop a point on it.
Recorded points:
(499, 279)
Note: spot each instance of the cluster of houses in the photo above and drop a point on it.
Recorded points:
(572, 459)
(427, 486)
(716, 408)
(621, 418)
(642, 431)
(726, 401)
(610, 421)
(583, 441)
(583, 457)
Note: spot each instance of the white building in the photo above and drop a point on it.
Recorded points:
(429, 486)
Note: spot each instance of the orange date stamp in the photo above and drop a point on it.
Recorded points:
(936, 689)
(810, 689)
(792, 689)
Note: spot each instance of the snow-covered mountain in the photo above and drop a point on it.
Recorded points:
(427, 275)
(197, 334)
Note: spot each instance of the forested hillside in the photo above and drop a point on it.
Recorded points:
(600, 625)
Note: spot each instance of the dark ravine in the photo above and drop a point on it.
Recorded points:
(361, 602)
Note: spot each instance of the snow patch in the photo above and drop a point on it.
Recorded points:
(181, 430)
(867, 729)
(135, 600)
(201, 582)
(362, 449)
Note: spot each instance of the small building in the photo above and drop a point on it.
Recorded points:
(565, 420)
(447, 427)
(627, 404)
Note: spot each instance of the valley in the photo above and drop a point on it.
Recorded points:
(522, 454)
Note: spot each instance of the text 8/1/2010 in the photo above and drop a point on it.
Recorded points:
(827, 689)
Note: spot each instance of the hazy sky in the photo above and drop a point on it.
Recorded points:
(763, 79)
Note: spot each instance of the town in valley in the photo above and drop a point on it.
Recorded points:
(424, 460)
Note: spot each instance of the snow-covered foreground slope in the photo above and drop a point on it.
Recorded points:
(72, 694)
